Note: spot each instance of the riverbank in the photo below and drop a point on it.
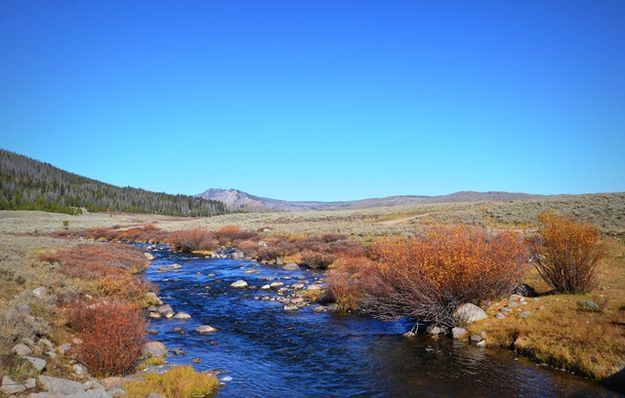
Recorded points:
(560, 330)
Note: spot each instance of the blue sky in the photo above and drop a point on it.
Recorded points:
(323, 100)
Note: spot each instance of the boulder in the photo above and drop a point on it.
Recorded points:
(239, 284)
(290, 267)
(149, 256)
(112, 382)
(182, 315)
(409, 333)
(315, 286)
(276, 284)
(40, 292)
(61, 386)
(21, 350)
(459, 333)
(79, 370)
(153, 299)
(10, 386)
(205, 329)
(525, 314)
(265, 287)
(37, 363)
(30, 383)
(290, 307)
(154, 349)
(469, 313)
(434, 330)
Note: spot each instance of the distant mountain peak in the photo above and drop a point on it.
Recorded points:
(236, 199)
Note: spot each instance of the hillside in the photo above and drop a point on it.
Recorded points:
(238, 200)
(28, 184)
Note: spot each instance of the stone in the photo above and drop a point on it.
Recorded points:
(195, 359)
(61, 386)
(182, 315)
(525, 314)
(40, 292)
(332, 307)
(476, 338)
(37, 363)
(79, 370)
(298, 285)
(458, 333)
(63, 348)
(481, 344)
(30, 383)
(154, 349)
(290, 307)
(152, 331)
(205, 329)
(10, 386)
(499, 315)
(319, 308)
(276, 284)
(155, 315)
(239, 284)
(409, 334)
(589, 305)
(315, 286)
(435, 330)
(149, 256)
(44, 395)
(46, 343)
(469, 313)
(290, 267)
(265, 287)
(23, 309)
(112, 382)
(153, 299)
(515, 297)
(21, 350)
(513, 304)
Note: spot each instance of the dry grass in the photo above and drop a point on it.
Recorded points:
(561, 332)
(176, 382)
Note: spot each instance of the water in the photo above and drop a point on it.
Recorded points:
(263, 351)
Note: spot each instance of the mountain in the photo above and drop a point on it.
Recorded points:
(28, 184)
(239, 200)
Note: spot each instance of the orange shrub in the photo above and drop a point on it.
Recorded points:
(88, 261)
(348, 280)
(317, 260)
(193, 239)
(230, 233)
(428, 276)
(112, 338)
(566, 253)
(124, 286)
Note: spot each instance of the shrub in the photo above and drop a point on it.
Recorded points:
(231, 233)
(428, 276)
(112, 337)
(347, 280)
(176, 382)
(90, 261)
(566, 253)
(317, 260)
(193, 239)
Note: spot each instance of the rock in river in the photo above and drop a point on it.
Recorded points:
(239, 284)
(205, 329)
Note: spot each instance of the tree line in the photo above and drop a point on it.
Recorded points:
(28, 184)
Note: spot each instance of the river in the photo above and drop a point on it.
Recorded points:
(263, 351)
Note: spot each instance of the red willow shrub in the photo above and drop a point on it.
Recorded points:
(88, 261)
(193, 239)
(428, 276)
(566, 253)
(232, 233)
(112, 336)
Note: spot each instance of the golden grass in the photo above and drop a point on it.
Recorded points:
(562, 333)
(177, 382)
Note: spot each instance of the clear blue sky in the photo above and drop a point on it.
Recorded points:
(319, 99)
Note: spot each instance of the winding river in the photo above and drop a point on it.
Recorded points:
(263, 351)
